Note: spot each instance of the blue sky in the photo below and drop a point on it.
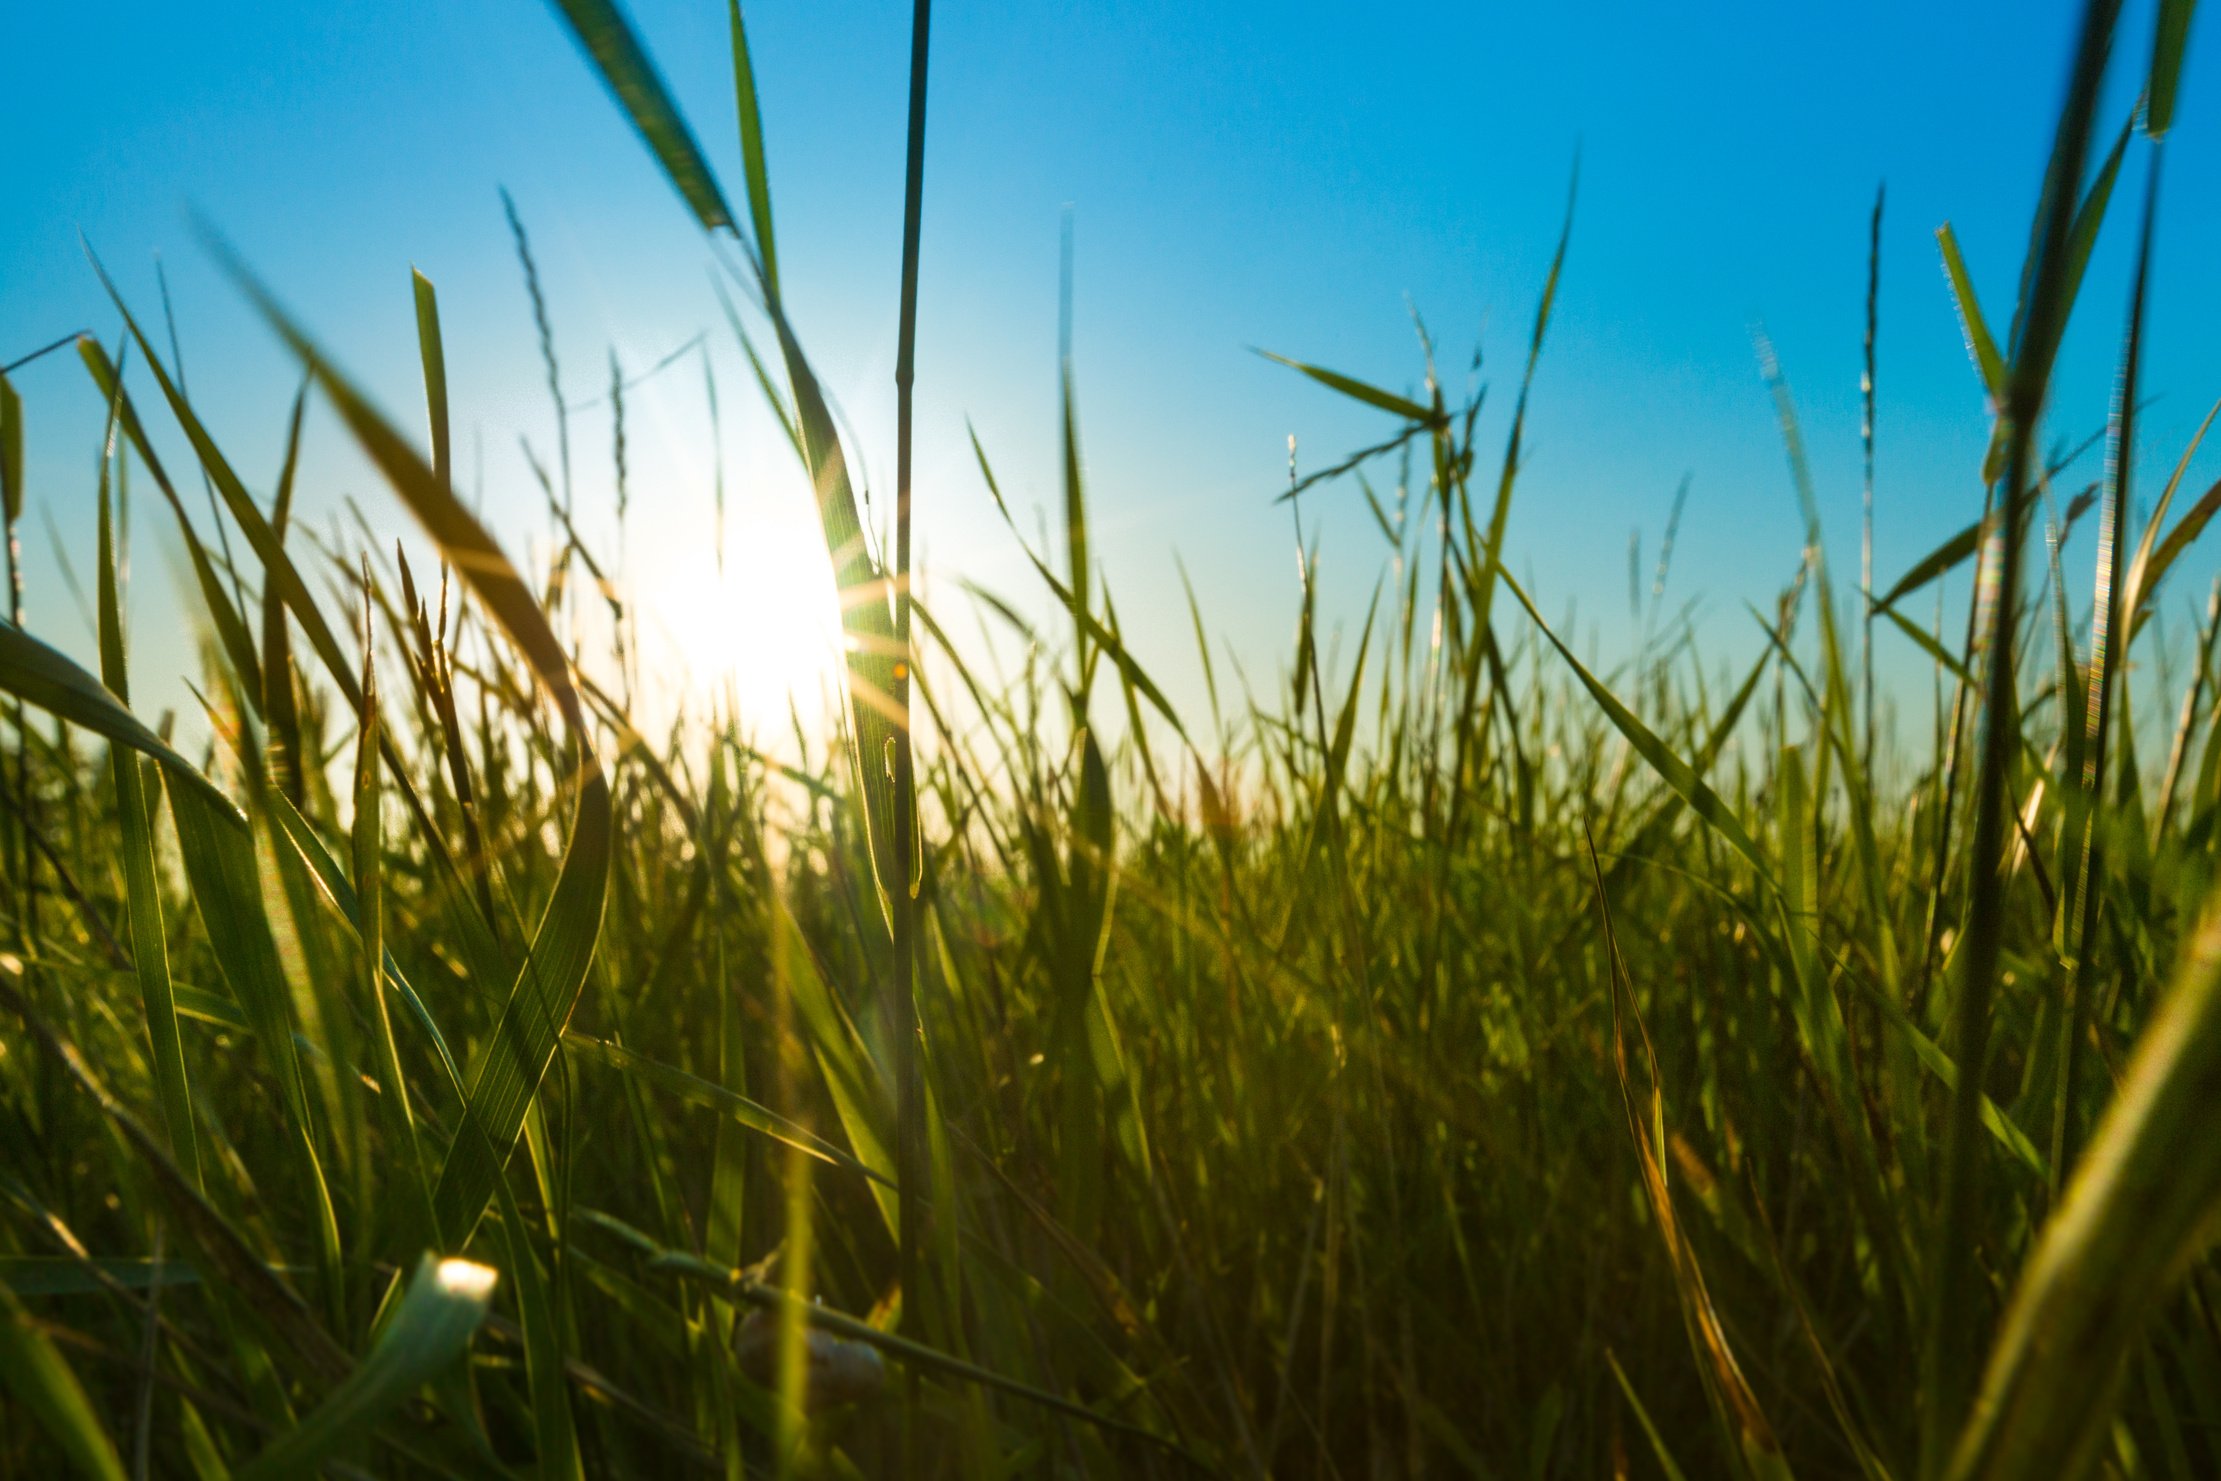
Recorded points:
(1287, 176)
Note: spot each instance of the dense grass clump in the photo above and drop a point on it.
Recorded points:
(1462, 1063)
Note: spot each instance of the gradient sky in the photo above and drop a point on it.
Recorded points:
(1285, 175)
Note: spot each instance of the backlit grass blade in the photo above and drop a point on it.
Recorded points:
(301, 834)
(2155, 554)
(866, 615)
(713, 1097)
(367, 837)
(852, 1078)
(434, 355)
(632, 80)
(1076, 565)
(149, 941)
(33, 1374)
(428, 1331)
(2106, 630)
(751, 150)
(1104, 639)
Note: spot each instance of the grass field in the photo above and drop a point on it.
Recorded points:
(1458, 1062)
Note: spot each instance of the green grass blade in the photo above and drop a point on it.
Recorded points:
(434, 355)
(2172, 32)
(1357, 390)
(224, 1252)
(711, 1096)
(751, 151)
(231, 627)
(608, 41)
(1980, 346)
(43, 677)
(149, 941)
(558, 1457)
(1955, 1315)
(427, 1333)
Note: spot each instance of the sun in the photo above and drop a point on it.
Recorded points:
(761, 629)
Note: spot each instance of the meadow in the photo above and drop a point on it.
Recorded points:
(1444, 1059)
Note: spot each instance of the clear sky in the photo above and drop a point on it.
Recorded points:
(1284, 175)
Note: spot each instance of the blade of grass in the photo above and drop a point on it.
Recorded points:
(602, 33)
(428, 1332)
(149, 941)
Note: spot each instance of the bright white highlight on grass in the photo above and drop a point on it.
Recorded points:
(466, 1278)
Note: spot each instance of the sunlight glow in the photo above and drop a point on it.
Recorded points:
(764, 635)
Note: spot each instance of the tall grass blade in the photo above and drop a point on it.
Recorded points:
(753, 170)
(149, 940)
(427, 1333)
(2171, 34)
(1956, 1314)
(608, 41)
(434, 355)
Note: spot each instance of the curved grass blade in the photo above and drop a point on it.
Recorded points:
(2155, 554)
(1735, 1407)
(1675, 772)
(1357, 390)
(41, 676)
(427, 1333)
(1105, 640)
(714, 1097)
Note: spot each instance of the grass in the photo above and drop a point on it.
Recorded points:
(1481, 1065)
